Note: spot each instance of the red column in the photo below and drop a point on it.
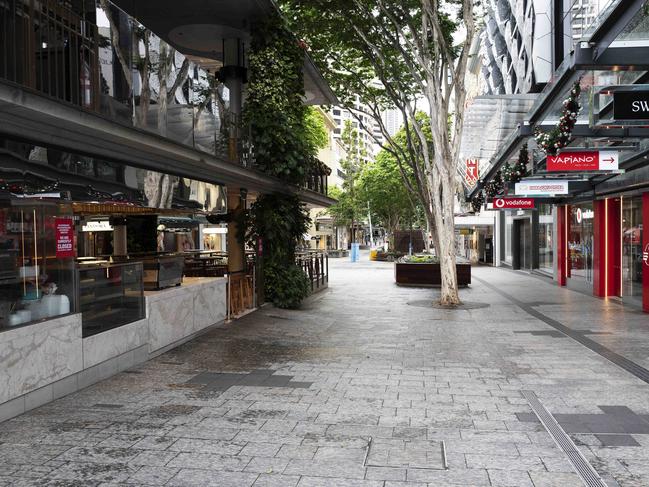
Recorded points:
(563, 228)
(645, 252)
(607, 263)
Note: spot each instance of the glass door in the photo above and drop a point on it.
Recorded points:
(632, 250)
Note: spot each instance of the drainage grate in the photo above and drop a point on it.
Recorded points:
(584, 469)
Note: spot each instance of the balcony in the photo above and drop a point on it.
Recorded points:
(104, 63)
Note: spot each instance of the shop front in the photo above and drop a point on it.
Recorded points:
(605, 247)
(99, 269)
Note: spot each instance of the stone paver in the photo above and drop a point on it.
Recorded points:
(296, 398)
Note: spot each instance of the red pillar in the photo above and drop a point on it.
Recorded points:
(563, 229)
(645, 252)
(607, 257)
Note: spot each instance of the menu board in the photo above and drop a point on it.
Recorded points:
(64, 237)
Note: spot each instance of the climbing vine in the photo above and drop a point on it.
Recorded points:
(275, 116)
(279, 221)
(280, 131)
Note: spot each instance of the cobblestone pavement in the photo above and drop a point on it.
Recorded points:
(360, 388)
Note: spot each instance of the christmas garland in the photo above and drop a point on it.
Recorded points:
(559, 137)
(495, 186)
(516, 173)
(477, 201)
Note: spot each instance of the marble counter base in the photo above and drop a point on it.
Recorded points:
(34, 356)
(176, 313)
(112, 343)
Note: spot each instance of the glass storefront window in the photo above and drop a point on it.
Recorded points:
(580, 242)
(36, 261)
(632, 249)
(545, 238)
(509, 223)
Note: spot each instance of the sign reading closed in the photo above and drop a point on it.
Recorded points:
(631, 105)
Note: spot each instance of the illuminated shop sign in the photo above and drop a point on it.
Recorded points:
(606, 160)
(631, 105)
(541, 188)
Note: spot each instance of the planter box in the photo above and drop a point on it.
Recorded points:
(428, 275)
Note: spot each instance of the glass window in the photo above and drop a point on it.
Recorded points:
(36, 261)
(632, 249)
(509, 223)
(580, 242)
(546, 237)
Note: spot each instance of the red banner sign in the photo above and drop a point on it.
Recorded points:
(513, 203)
(472, 173)
(584, 161)
(64, 228)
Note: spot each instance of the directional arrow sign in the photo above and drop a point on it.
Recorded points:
(605, 160)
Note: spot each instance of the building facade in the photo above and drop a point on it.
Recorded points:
(587, 233)
(120, 154)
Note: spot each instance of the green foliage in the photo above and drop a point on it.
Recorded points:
(345, 208)
(280, 221)
(420, 259)
(316, 130)
(286, 286)
(275, 114)
(381, 184)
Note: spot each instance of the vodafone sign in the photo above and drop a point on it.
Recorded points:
(605, 160)
(513, 203)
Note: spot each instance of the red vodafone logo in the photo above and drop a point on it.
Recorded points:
(513, 203)
(645, 255)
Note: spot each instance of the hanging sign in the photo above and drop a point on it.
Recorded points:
(541, 187)
(472, 172)
(605, 160)
(64, 231)
(631, 105)
(513, 203)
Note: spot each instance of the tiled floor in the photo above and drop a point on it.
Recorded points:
(360, 388)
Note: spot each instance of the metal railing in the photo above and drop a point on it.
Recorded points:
(316, 266)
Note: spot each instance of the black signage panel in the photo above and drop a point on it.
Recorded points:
(631, 105)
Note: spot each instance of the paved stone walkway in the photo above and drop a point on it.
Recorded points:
(360, 388)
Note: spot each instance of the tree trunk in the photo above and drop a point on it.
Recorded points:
(446, 240)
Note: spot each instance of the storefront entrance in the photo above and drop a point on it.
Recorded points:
(632, 233)
(581, 247)
(522, 248)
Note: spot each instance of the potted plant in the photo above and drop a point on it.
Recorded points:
(424, 271)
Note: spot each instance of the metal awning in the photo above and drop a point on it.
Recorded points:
(616, 44)
(205, 22)
(45, 121)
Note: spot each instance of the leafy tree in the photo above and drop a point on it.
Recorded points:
(315, 129)
(345, 208)
(391, 55)
(381, 185)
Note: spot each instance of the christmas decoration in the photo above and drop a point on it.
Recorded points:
(519, 170)
(559, 137)
(495, 186)
(477, 202)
